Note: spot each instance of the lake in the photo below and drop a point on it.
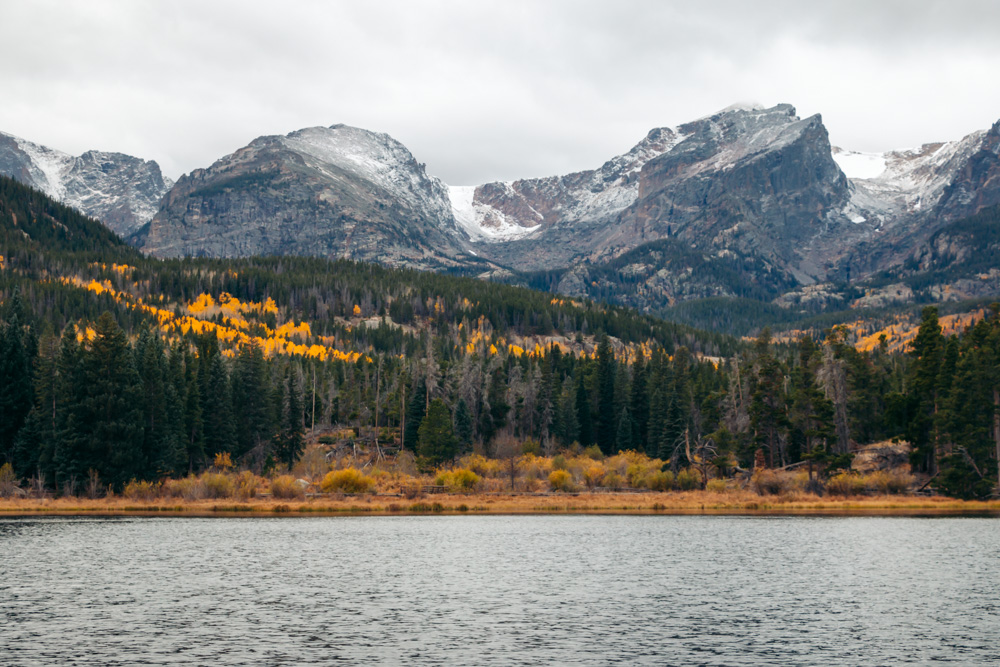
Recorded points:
(500, 590)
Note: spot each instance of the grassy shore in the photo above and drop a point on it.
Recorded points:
(689, 502)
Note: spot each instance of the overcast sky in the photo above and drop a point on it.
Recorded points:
(483, 90)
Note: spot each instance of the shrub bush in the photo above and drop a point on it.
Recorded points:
(217, 485)
(561, 480)
(688, 480)
(247, 484)
(614, 481)
(8, 481)
(459, 479)
(286, 486)
(348, 480)
(594, 452)
(188, 488)
(887, 483)
(768, 483)
(594, 475)
(559, 462)
(846, 484)
(716, 485)
(142, 490)
(659, 480)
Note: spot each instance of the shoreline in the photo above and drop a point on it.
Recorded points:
(652, 503)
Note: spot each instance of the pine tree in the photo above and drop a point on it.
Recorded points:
(106, 419)
(16, 389)
(463, 426)
(568, 427)
(436, 440)
(624, 438)
(253, 402)
(584, 413)
(219, 424)
(606, 416)
(928, 349)
(415, 410)
(291, 442)
(639, 403)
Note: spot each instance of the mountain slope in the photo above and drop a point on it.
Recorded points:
(120, 190)
(334, 192)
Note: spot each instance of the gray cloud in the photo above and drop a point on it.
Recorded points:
(489, 89)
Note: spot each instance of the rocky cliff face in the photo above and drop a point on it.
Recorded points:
(121, 191)
(336, 192)
(746, 195)
(751, 180)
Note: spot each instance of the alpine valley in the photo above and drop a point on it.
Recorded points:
(748, 208)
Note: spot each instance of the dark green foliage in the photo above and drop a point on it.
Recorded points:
(415, 411)
(104, 425)
(128, 404)
(624, 439)
(291, 439)
(463, 426)
(607, 419)
(437, 442)
(15, 376)
(252, 403)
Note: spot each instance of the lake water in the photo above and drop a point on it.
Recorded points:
(500, 590)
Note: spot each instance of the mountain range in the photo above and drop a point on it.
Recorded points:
(749, 201)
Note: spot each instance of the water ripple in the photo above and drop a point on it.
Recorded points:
(575, 590)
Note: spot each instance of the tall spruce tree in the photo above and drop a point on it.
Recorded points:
(16, 385)
(607, 419)
(436, 442)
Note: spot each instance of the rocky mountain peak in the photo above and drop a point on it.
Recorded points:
(336, 191)
(120, 190)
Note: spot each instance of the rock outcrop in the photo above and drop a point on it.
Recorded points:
(121, 191)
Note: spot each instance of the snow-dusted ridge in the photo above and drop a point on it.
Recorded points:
(481, 221)
(887, 185)
(118, 189)
(377, 158)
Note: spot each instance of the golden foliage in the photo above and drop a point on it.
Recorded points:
(348, 480)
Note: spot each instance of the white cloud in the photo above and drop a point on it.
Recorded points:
(489, 89)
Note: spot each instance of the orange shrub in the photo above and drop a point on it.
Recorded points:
(348, 480)
(286, 486)
(561, 480)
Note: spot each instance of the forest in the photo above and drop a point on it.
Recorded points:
(117, 368)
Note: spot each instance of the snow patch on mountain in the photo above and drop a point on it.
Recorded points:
(518, 209)
(120, 190)
(481, 221)
(377, 158)
(859, 165)
(907, 181)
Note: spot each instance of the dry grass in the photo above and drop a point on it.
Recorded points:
(731, 501)
(567, 483)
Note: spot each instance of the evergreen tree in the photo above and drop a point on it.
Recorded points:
(16, 389)
(415, 410)
(639, 403)
(583, 413)
(624, 439)
(105, 422)
(219, 424)
(928, 350)
(567, 426)
(463, 426)
(252, 401)
(436, 440)
(606, 416)
(291, 442)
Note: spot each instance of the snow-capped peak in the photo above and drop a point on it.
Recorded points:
(120, 190)
(375, 157)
